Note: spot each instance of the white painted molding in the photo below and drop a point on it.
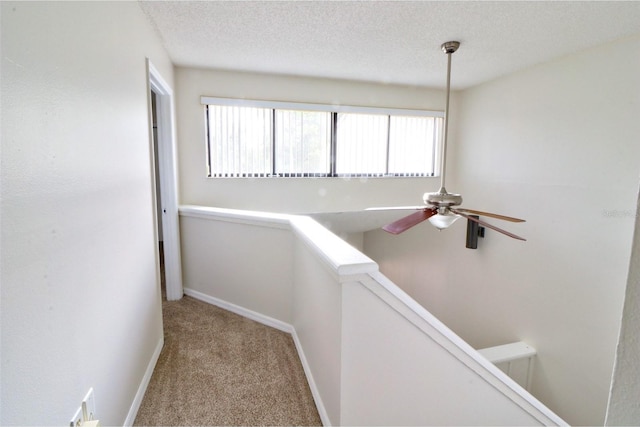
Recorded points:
(157, 82)
(265, 219)
(142, 389)
(238, 102)
(277, 324)
(343, 260)
(315, 392)
(166, 148)
(508, 352)
(432, 327)
(244, 312)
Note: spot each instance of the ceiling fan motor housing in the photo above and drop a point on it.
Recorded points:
(442, 199)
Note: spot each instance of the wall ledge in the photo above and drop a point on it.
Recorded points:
(341, 258)
(264, 219)
(348, 267)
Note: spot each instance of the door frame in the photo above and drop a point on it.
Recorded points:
(167, 172)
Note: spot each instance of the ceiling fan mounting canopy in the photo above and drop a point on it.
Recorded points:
(450, 47)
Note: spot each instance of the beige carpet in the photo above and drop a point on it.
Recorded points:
(218, 368)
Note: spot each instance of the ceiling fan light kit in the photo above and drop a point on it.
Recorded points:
(441, 207)
(444, 220)
(443, 217)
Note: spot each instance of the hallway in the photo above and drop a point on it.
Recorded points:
(218, 368)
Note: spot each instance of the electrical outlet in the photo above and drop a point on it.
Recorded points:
(86, 411)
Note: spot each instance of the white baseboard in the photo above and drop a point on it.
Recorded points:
(324, 417)
(244, 312)
(137, 400)
(277, 324)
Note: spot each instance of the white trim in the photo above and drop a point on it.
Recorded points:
(276, 324)
(508, 352)
(263, 219)
(142, 389)
(168, 182)
(300, 106)
(315, 392)
(380, 286)
(343, 260)
(244, 312)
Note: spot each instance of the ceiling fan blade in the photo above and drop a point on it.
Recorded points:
(486, 224)
(492, 215)
(408, 221)
(396, 208)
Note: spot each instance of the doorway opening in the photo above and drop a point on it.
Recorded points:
(154, 130)
(161, 104)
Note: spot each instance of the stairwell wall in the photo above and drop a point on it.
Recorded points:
(372, 355)
(556, 144)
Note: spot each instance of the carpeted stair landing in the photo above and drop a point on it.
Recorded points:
(218, 368)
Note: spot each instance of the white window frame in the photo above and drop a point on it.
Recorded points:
(334, 108)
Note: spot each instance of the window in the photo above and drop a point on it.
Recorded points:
(302, 142)
(262, 139)
(239, 140)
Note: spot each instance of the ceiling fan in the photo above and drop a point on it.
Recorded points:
(442, 208)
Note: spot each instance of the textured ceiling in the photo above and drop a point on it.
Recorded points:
(385, 41)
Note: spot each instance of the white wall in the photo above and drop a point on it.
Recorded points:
(218, 262)
(371, 354)
(625, 388)
(558, 145)
(80, 293)
(287, 194)
(316, 308)
(281, 270)
(400, 368)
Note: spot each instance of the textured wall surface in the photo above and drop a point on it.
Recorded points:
(556, 144)
(290, 195)
(623, 401)
(80, 291)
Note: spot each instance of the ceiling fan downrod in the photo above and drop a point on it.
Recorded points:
(448, 48)
(442, 207)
